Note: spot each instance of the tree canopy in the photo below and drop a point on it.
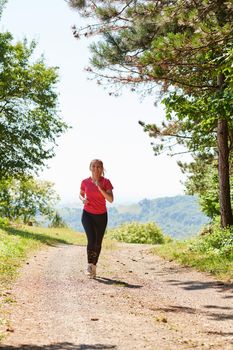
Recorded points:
(174, 43)
(29, 116)
(2, 3)
(184, 50)
(25, 198)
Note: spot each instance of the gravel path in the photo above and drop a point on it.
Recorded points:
(138, 301)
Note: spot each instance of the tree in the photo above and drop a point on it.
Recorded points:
(2, 4)
(210, 135)
(25, 198)
(194, 125)
(29, 118)
(182, 47)
(57, 221)
(203, 180)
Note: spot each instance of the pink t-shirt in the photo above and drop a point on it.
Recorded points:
(97, 202)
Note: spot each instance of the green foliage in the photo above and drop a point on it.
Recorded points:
(219, 242)
(195, 119)
(57, 221)
(4, 222)
(211, 252)
(2, 4)
(184, 48)
(77, 3)
(25, 197)
(202, 179)
(107, 13)
(173, 43)
(30, 121)
(135, 232)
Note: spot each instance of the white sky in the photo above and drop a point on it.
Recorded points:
(103, 127)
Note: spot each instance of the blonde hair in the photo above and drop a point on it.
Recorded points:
(99, 161)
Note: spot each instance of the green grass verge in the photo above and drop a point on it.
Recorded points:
(16, 244)
(207, 261)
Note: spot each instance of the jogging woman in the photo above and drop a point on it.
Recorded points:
(94, 192)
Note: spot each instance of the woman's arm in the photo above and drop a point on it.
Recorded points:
(82, 197)
(108, 195)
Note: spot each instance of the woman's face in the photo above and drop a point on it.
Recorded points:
(96, 168)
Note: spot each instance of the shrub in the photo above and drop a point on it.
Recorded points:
(4, 222)
(57, 221)
(135, 232)
(218, 242)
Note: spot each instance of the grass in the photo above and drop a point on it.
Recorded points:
(187, 253)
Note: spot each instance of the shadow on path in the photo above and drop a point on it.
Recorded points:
(223, 334)
(217, 316)
(59, 346)
(116, 282)
(200, 285)
(50, 241)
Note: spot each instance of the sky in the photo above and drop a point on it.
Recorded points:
(102, 126)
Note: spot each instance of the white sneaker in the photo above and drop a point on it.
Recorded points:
(91, 270)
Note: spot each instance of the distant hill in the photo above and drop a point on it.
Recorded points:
(178, 217)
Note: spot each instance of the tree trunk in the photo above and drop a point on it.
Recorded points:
(223, 166)
(223, 172)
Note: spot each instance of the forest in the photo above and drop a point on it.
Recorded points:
(179, 216)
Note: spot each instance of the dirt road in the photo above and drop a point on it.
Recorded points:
(138, 301)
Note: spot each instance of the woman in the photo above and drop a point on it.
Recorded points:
(94, 192)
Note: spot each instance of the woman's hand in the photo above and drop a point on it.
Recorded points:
(108, 195)
(83, 198)
(85, 201)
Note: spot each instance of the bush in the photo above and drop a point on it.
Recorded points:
(218, 242)
(57, 221)
(138, 233)
(4, 222)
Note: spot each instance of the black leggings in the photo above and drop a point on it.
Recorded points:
(94, 226)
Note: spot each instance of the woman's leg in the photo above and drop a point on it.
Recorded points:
(94, 226)
(89, 227)
(100, 227)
